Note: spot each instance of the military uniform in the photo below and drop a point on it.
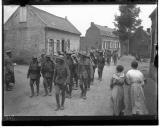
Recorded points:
(101, 63)
(61, 79)
(34, 75)
(115, 57)
(83, 69)
(47, 71)
(71, 67)
(9, 72)
(94, 65)
(75, 70)
(108, 54)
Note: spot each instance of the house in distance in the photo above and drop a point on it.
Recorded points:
(99, 37)
(34, 31)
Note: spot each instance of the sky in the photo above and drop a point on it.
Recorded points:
(82, 15)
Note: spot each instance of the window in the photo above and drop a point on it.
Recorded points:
(68, 44)
(58, 45)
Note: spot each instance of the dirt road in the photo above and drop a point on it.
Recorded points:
(18, 102)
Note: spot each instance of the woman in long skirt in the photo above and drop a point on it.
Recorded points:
(117, 90)
(135, 79)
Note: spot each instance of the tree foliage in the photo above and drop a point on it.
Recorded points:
(127, 21)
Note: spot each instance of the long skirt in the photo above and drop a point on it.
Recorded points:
(117, 99)
(127, 100)
(138, 100)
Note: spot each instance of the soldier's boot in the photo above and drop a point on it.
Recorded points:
(32, 90)
(58, 102)
(63, 100)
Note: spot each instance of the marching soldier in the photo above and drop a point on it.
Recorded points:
(47, 71)
(108, 57)
(101, 63)
(94, 64)
(83, 75)
(75, 70)
(9, 71)
(89, 65)
(34, 75)
(61, 79)
(71, 68)
(115, 57)
(42, 59)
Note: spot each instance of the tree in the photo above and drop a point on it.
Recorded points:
(127, 22)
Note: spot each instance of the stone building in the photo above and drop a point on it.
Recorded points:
(140, 43)
(33, 31)
(99, 37)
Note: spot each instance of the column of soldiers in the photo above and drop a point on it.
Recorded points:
(65, 72)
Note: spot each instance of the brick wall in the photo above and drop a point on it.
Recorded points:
(92, 37)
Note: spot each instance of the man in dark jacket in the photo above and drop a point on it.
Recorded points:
(61, 79)
(47, 71)
(101, 63)
(34, 75)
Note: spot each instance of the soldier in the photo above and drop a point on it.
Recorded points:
(89, 66)
(101, 63)
(47, 71)
(9, 71)
(108, 57)
(61, 79)
(34, 75)
(94, 64)
(75, 70)
(83, 75)
(115, 57)
(42, 59)
(69, 62)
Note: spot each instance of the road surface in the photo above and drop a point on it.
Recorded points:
(98, 102)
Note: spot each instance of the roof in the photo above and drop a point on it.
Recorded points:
(105, 31)
(55, 22)
(153, 13)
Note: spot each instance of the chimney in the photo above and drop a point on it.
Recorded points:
(23, 13)
(92, 23)
(148, 30)
(66, 17)
(106, 27)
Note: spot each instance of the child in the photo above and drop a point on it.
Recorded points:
(117, 95)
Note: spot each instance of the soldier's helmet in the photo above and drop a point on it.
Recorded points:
(34, 57)
(60, 58)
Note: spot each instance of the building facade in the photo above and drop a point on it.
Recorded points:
(140, 43)
(100, 37)
(35, 31)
